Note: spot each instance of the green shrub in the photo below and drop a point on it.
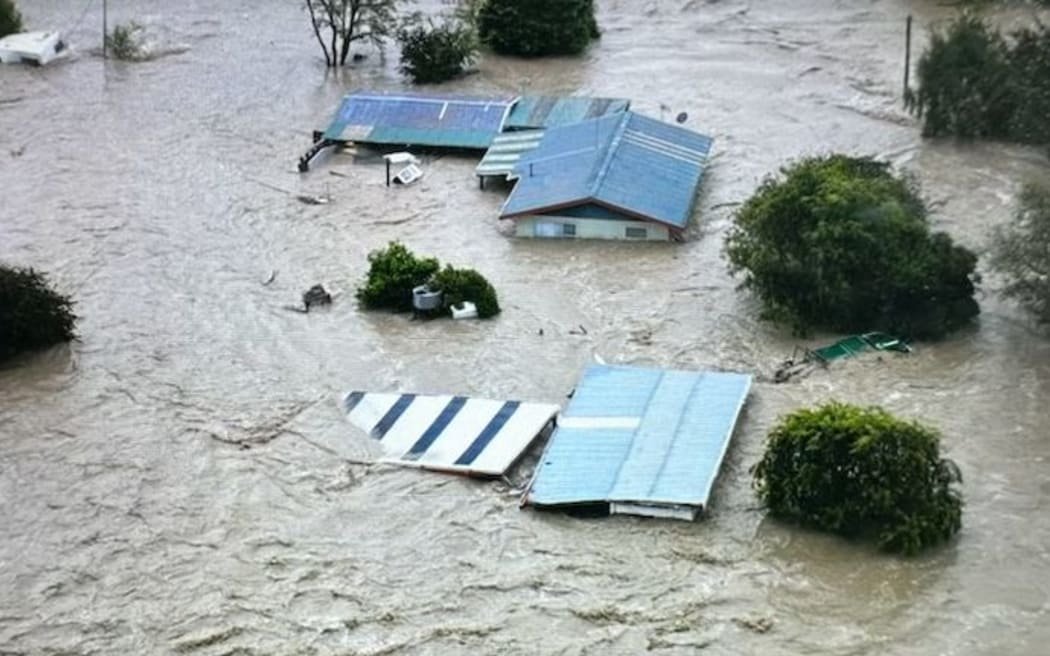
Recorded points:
(460, 285)
(125, 42)
(973, 82)
(534, 28)
(10, 19)
(393, 273)
(32, 316)
(1021, 252)
(841, 243)
(861, 473)
(431, 54)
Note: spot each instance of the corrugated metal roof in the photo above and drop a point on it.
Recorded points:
(645, 441)
(550, 111)
(506, 150)
(479, 437)
(419, 120)
(635, 165)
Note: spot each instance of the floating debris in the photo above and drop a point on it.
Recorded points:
(316, 295)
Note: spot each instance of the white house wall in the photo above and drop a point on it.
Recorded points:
(554, 227)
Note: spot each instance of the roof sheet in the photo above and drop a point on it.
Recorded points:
(480, 437)
(506, 150)
(644, 441)
(636, 165)
(417, 119)
(549, 111)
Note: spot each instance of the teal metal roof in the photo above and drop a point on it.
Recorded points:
(643, 441)
(506, 150)
(628, 163)
(549, 111)
(406, 119)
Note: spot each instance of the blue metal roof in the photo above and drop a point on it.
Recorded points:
(549, 111)
(418, 119)
(645, 441)
(637, 166)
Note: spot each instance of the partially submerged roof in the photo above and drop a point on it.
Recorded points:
(36, 47)
(644, 441)
(550, 111)
(625, 162)
(505, 151)
(479, 437)
(419, 120)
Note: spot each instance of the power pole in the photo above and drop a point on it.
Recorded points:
(105, 30)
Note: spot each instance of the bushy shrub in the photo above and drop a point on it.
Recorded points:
(10, 18)
(436, 53)
(841, 243)
(861, 473)
(534, 28)
(392, 274)
(973, 82)
(1021, 252)
(32, 316)
(460, 285)
(124, 42)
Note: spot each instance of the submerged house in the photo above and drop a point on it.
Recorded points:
(640, 441)
(410, 119)
(620, 176)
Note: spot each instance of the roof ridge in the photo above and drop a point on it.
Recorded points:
(614, 144)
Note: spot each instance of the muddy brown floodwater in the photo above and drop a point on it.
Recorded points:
(130, 524)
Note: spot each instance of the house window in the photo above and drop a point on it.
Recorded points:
(568, 230)
(637, 233)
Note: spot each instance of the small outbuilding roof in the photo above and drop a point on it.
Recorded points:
(419, 120)
(627, 163)
(644, 441)
(477, 437)
(505, 151)
(550, 111)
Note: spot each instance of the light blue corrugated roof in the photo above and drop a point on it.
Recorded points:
(407, 119)
(625, 162)
(640, 439)
(550, 111)
(505, 151)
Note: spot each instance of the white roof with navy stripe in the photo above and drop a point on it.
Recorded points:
(481, 437)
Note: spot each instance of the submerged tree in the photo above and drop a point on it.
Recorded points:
(861, 473)
(1021, 252)
(534, 28)
(841, 243)
(975, 82)
(32, 315)
(433, 53)
(10, 19)
(339, 23)
(125, 42)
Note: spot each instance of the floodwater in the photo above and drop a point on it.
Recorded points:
(181, 480)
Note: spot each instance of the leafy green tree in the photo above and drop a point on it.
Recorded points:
(534, 28)
(841, 243)
(339, 23)
(32, 316)
(436, 53)
(10, 18)
(124, 42)
(974, 82)
(1021, 252)
(460, 285)
(393, 272)
(861, 473)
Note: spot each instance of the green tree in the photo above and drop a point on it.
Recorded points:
(841, 243)
(10, 18)
(392, 274)
(861, 473)
(125, 42)
(339, 23)
(1021, 252)
(534, 28)
(435, 53)
(32, 316)
(458, 285)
